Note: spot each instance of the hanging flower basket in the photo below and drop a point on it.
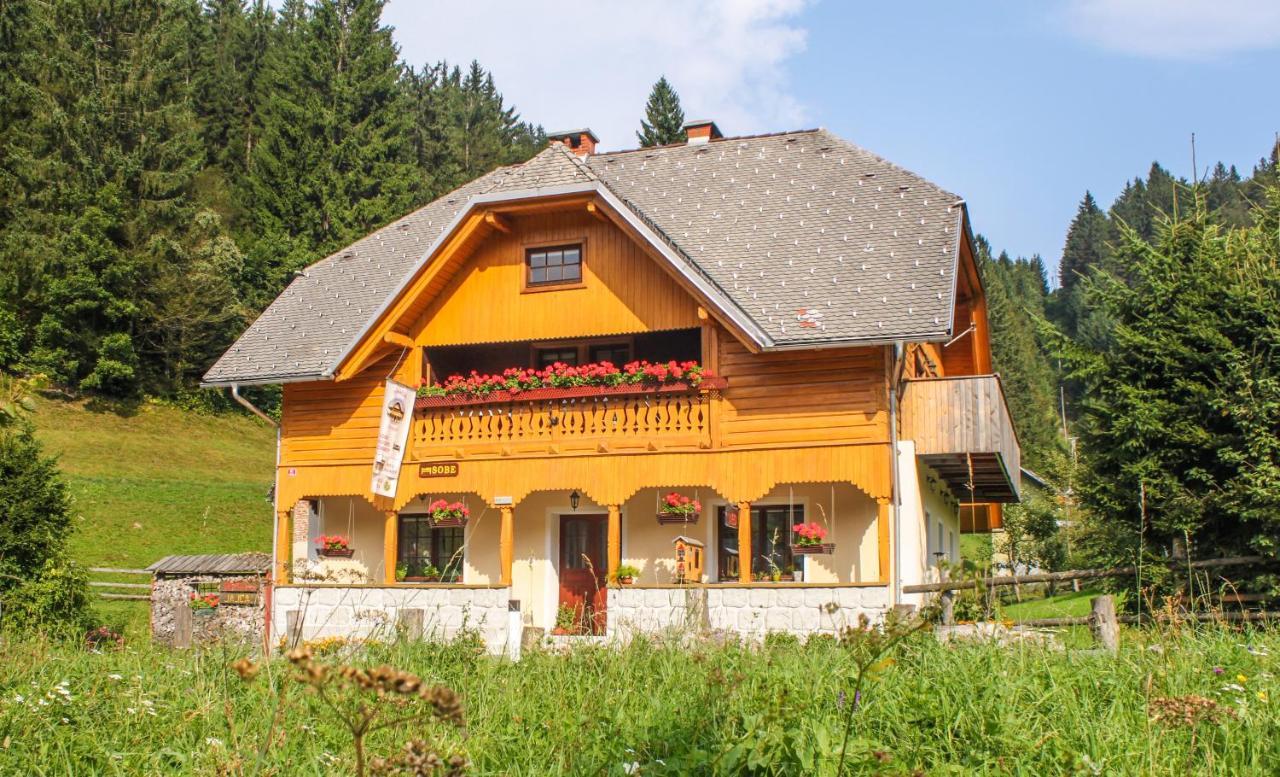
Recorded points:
(448, 514)
(679, 509)
(807, 539)
(334, 546)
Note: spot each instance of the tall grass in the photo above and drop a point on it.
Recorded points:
(656, 709)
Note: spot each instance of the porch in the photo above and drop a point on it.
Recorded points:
(556, 559)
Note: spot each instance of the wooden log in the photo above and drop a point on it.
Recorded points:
(1106, 629)
(114, 571)
(1202, 617)
(99, 584)
(137, 597)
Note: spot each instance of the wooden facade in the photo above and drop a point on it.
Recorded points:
(774, 420)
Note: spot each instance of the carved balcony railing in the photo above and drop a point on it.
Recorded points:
(549, 422)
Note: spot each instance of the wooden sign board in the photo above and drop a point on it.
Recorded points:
(438, 469)
(239, 598)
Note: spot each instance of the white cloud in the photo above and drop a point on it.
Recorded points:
(569, 64)
(1175, 29)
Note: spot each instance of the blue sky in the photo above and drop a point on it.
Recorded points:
(1017, 106)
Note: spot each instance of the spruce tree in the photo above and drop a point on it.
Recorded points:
(664, 119)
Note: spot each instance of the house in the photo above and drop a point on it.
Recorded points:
(823, 356)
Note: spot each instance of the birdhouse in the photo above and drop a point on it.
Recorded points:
(689, 553)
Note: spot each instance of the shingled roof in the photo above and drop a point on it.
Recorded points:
(806, 238)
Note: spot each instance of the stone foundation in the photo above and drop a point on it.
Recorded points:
(227, 623)
(369, 612)
(747, 611)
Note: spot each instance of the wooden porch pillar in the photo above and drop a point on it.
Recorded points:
(390, 546)
(745, 553)
(883, 535)
(284, 546)
(615, 540)
(506, 544)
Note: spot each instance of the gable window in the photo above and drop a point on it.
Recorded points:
(426, 551)
(616, 354)
(554, 265)
(770, 541)
(549, 356)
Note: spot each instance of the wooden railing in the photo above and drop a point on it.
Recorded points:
(646, 420)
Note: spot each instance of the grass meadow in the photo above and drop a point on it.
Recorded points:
(1172, 702)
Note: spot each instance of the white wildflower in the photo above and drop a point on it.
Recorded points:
(116, 676)
(19, 698)
(213, 742)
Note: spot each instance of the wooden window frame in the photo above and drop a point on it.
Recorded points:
(759, 530)
(528, 287)
(583, 347)
(433, 542)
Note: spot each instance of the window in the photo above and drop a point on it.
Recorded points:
(554, 266)
(616, 354)
(426, 551)
(770, 541)
(549, 356)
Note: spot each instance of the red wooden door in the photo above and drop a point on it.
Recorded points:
(583, 567)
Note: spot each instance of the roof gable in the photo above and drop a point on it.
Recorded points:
(799, 239)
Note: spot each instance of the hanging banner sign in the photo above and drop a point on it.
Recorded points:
(393, 435)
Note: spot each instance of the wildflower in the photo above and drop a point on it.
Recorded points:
(1241, 679)
(115, 677)
(1262, 695)
(213, 742)
(1233, 687)
(1218, 670)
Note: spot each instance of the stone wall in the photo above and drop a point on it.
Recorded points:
(370, 612)
(748, 611)
(229, 622)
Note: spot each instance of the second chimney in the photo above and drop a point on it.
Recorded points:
(580, 141)
(701, 131)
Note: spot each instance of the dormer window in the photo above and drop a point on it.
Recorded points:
(548, 266)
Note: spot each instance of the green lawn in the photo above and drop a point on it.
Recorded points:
(1065, 605)
(157, 481)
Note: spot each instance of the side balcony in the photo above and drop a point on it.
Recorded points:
(962, 430)
(549, 422)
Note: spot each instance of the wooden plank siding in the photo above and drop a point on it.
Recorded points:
(623, 290)
(961, 424)
(831, 396)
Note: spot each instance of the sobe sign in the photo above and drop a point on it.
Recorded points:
(393, 435)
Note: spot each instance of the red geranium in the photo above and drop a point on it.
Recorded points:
(333, 542)
(561, 375)
(809, 534)
(442, 510)
(679, 504)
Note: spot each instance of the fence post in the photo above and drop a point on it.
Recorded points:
(292, 628)
(411, 623)
(947, 601)
(1103, 623)
(181, 625)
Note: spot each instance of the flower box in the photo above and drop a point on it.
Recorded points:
(708, 383)
(420, 579)
(336, 552)
(445, 514)
(678, 518)
(821, 549)
(628, 580)
(676, 508)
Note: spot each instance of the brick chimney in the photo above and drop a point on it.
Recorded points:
(580, 141)
(701, 131)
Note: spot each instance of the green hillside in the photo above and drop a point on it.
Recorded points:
(161, 480)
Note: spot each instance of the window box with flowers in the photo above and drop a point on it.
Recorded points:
(808, 538)
(448, 514)
(563, 381)
(334, 546)
(678, 508)
(203, 605)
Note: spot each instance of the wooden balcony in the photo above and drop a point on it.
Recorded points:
(962, 430)
(568, 422)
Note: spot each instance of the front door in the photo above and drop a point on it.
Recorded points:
(583, 566)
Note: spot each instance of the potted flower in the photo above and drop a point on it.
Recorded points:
(566, 621)
(678, 508)
(625, 574)
(809, 538)
(420, 573)
(445, 514)
(334, 546)
(203, 605)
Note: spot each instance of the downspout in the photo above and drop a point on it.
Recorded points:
(896, 499)
(267, 595)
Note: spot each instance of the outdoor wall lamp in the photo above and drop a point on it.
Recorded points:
(574, 498)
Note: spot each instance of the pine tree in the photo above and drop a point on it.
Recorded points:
(664, 119)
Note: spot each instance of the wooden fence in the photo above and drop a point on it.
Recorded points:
(118, 591)
(1103, 620)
